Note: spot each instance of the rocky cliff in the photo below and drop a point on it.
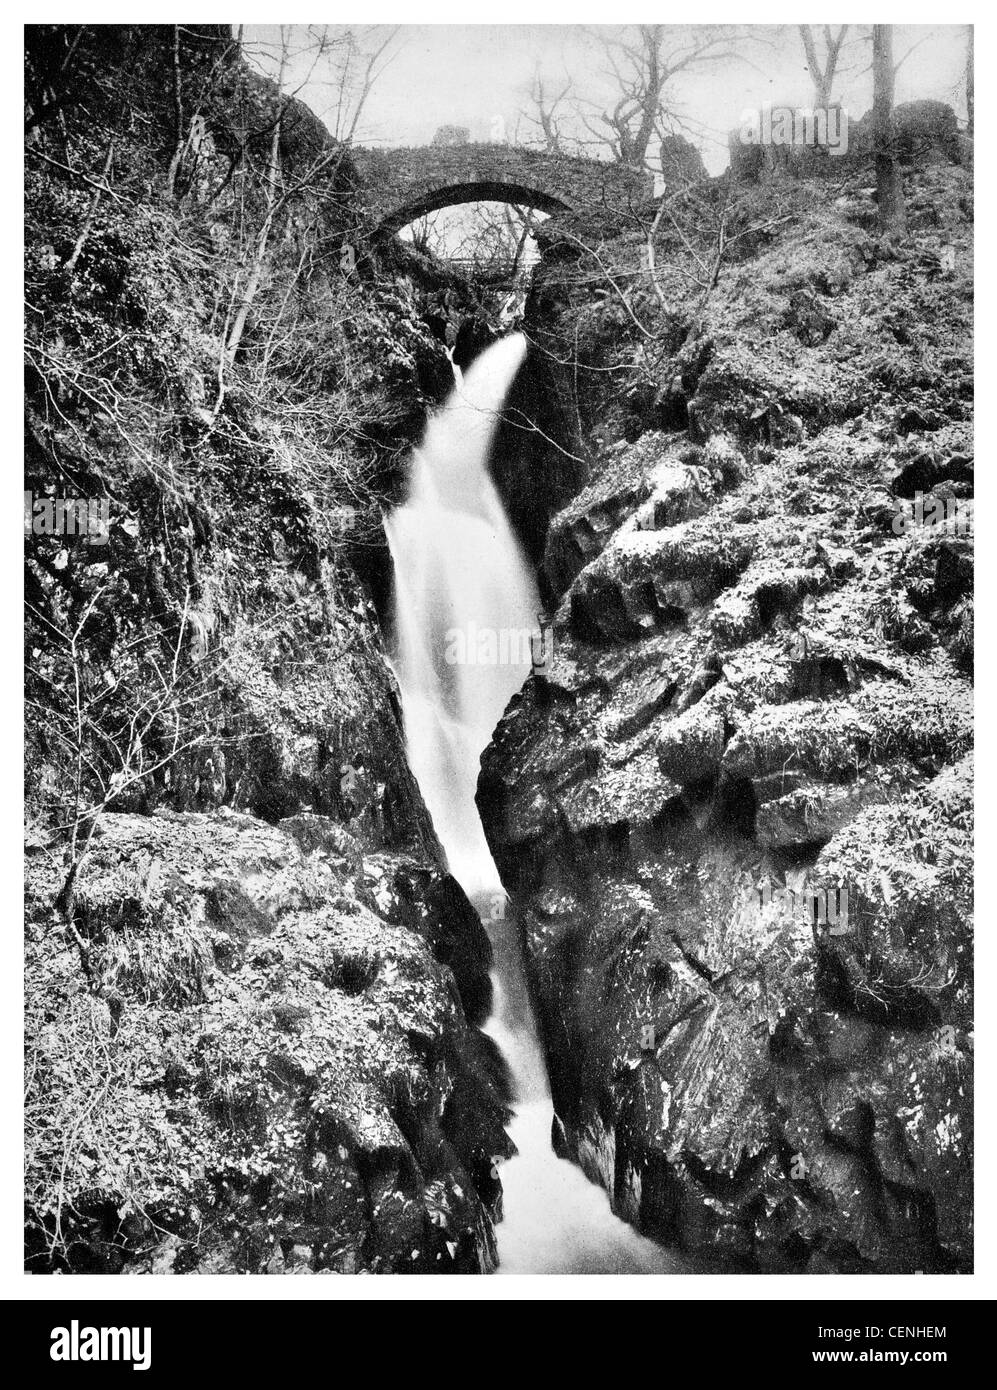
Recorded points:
(274, 1033)
(760, 685)
(253, 991)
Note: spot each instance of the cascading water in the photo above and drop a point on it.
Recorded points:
(465, 602)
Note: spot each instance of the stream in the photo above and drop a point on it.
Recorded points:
(465, 604)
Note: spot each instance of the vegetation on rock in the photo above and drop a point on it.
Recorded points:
(242, 1054)
(759, 677)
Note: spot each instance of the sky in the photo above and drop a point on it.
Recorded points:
(479, 76)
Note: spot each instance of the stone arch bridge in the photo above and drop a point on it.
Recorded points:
(403, 184)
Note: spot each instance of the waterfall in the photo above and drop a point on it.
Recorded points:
(462, 591)
(465, 605)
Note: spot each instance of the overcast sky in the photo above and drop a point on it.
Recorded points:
(478, 75)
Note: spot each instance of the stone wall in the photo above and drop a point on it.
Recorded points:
(402, 184)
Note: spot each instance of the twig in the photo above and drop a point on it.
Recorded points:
(88, 220)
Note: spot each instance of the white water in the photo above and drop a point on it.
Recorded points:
(459, 569)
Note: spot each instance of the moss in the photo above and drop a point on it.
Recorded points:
(790, 636)
(231, 1115)
(691, 747)
(909, 866)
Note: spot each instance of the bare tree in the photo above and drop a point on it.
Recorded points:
(642, 61)
(493, 237)
(351, 65)
(351, 69)
(422, 233)
(118, 709)
(889, 190)
(252, 282)
(114, 744)
(822, 73)
(545, 112)
(178, 133)
(970, 96)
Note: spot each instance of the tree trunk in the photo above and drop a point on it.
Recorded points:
(823, 77)
(178, 140)
(263, 236)
(259, 251)
(889, 190)
(970, 96)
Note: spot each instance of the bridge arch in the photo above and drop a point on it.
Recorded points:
(403, 184)
(447, 195)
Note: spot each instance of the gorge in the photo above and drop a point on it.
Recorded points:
(348, 954)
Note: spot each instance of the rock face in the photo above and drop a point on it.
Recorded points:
(253, 1000)
(282, 1073)
(760, 688)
